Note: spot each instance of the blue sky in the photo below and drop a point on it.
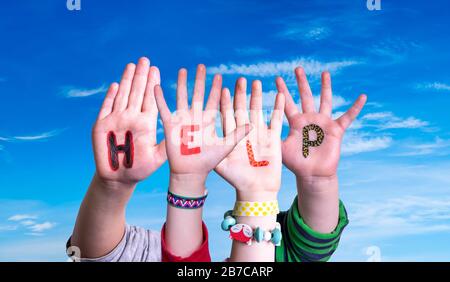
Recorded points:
(394, 180)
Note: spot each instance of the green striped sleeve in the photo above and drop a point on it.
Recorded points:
(300, 243)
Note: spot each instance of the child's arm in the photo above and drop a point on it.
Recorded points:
(126, 152)
(193, 150)
(312, 151)
(253, 168)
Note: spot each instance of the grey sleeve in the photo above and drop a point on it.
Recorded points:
(137, 245)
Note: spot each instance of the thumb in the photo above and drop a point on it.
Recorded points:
(228, 143)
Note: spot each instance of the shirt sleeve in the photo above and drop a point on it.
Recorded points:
(200, 255)
(300, 243)
(137, 245)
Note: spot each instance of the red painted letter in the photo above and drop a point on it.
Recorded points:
(251, 157)
(187, 138)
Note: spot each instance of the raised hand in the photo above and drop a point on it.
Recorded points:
(193, 147)
(312, 148)
(126, 152)
(254, 166)
(124, 135)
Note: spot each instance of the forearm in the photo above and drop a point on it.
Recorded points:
(184, 232)
(100, 223)
(262, 251)
(318, 202)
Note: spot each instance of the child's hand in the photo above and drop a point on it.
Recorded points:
(124, 135)
(254, 166)
(312, 148)
(193, 147)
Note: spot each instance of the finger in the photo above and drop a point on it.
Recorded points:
(290, 108)
(240, 102)
(182, 92)
(199, 89)
(305, 91)
(346, 119)
(326, 103)
(154, 78)
(256, 113)
(121, 101)
(139, 84)
(214, 96)
(276, 123)
(162, 105)
(160, 153)
(107, 106)
(228, 143)
(226, 110)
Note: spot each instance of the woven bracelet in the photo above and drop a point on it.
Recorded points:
(181, 202)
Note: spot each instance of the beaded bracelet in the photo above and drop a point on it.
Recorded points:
(181, 202)
(244, 233)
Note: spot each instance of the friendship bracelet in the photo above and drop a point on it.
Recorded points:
(267, 208)
(181, 202)
(243, 232)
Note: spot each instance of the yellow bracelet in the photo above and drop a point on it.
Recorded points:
(256, 208)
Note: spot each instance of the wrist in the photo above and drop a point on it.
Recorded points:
(188, 185)
(110, 195)
(256, 196)
(317, 184)
(112, 186)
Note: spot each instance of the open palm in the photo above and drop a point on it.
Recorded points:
(192, 144)
(129, 108)
(255, 163)
(322, 155)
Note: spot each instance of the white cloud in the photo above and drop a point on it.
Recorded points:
(387, 120)
(355, 143)
(308, 32)
(271, 68)
(40, 227)
(400, 216)
(437, 147)
(250, 51)
(410, 122)
(20, 217)
(28, 221)
(7, 228)
(82, 92)
(41, 136)
(434, 86)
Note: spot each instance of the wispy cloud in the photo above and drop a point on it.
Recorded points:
(35, 137)
(273, 68)
(394, 50)
(428, 148)
(40, 227)
(20, 217)
(71, 92)
(387, 120)
(309, 33)
(434, 86)
(29, 222)
(400, 216)
(251, 51)
(355, 143)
